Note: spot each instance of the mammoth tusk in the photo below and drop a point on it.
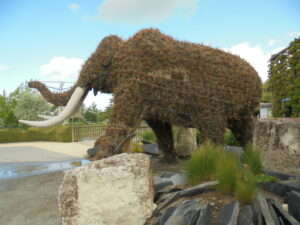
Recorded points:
(72, 106)
(45, 117)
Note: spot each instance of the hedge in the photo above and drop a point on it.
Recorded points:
(56, 133)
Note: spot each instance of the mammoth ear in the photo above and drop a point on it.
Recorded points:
(108, 47)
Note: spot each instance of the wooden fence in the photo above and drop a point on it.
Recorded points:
(93, 132)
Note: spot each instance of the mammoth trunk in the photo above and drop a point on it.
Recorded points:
(58, 99)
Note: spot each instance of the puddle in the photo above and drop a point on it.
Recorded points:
(159, 166)
(16, 170)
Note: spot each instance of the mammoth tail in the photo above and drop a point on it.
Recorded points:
(58, 99)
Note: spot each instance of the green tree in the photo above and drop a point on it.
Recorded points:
(91, 113)
(266, 93)
(30, 104)
(7, 106)
(284, 76)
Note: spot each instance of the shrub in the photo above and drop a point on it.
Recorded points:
(229, 139)
(245, 187)
(261, 178)
(137, 147)
(198, 137)
(203, 162)
(252, 158)
(149, 135)
(56, 133)
(227, 172)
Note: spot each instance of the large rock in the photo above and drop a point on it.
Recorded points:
(185, 141)
(279, 140)
(294, 204)
(229, 214)
(113, 191)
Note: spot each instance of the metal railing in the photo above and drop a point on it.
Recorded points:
(93, 132)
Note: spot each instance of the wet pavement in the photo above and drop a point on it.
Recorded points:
(30, 200)
(17, 170)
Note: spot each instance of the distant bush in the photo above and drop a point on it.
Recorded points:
(252, 158)
(203, 162)
(149, 135)
(56, 133)
(229, 139)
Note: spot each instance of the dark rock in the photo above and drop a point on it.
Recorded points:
(167, 175)
(273, 213)
(280, 176)
(168, 213)
(229, 214)
(246, 216)
(145, 142)
(239, 151)
(186, 213)
(281, 214)
(165, 191)
(151, 149)
(179, 179)
(167, 200)
(262, 214)
(205, 214)
(199, 189)
(294, 204)
(92, 152)
(279, 188)
(175, 178)
(161, 185)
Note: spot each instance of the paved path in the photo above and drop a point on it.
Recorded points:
(42, 151)
(32, 200)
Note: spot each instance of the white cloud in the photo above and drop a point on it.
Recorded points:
(101, 100)
(60, 68)
(272, 42)
(3, 67)
(137, 11)
(74, 6)
(278, 49)
(254, 55)
(294, 34)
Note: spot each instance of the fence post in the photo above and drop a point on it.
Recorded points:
(72, 129)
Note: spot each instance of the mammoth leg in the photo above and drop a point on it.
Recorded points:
(242, 129)
(212, 130)
(125, 118)
(163, 133)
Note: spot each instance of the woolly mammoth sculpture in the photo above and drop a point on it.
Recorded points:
(164, 82)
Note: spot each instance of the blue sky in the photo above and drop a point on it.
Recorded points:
(49, 40)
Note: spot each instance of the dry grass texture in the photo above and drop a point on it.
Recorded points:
(165, 82)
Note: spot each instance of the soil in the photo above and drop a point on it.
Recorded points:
(218, 200)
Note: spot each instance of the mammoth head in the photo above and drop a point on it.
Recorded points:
(97, 68)
(93, 75)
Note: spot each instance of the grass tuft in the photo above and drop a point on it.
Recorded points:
(245, 187)
(203, 162)
(227, 172)
(252, 158)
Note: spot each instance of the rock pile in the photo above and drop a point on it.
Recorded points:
(178, 206)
